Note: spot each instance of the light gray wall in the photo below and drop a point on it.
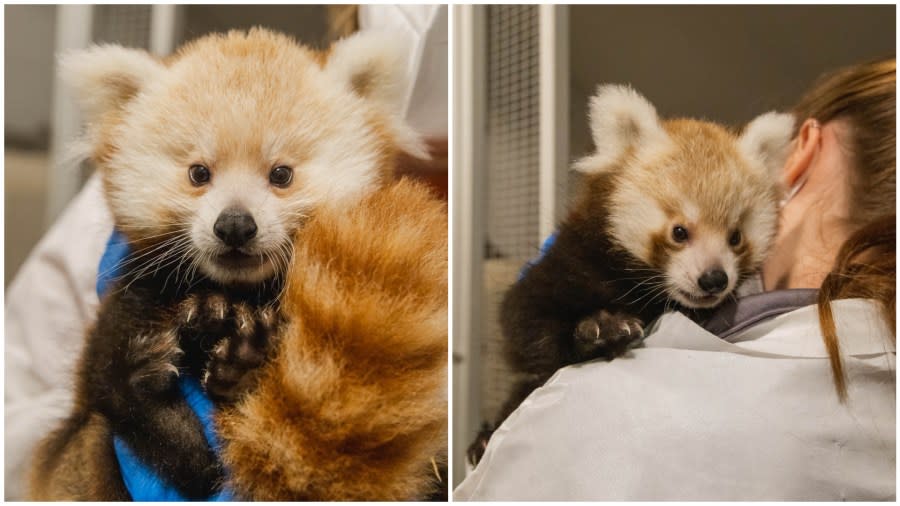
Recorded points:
(308, 23)
(724, 63)
(29, 41)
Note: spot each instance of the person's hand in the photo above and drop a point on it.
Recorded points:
(142, 482)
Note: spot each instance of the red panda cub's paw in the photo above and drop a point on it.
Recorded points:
(239, 334)
(235, 360)
(154, 362)
(606, 334)
(479, 445)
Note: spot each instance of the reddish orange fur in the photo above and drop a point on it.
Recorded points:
(353, 406)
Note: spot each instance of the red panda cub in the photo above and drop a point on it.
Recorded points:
(220, 165)
(672, 215)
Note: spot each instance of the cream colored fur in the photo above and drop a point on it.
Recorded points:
(241, 104)
(766, 139)
(622, 121)
(691, 173)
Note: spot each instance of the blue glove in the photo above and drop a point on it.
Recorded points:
(548, 242)
(116, 252)
(142, 483)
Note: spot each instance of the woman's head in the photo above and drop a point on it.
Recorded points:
(841, 171)
(846, 132)
(862, 100)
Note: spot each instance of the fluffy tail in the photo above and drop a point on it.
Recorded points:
(76, 462)
(353, 405)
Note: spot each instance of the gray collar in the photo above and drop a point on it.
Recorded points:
(737, 315)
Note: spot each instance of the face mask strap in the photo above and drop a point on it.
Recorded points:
(795, 189)
(802, 180)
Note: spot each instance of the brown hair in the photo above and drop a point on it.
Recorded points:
(864, 97)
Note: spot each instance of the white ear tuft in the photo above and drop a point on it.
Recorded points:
(621, 119)
(374, 65)
(767, 138)
(410, 141)
(105, 77)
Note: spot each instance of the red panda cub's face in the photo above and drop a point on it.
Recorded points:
(689, 199)
(220, 154)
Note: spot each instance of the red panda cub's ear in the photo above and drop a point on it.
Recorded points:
(621, 120)
(766, 141)
(105, 77)
(374, 65)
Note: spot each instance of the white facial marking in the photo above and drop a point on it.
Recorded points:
(691, 212)
(284, 107)
(704, 252)
(634, 219)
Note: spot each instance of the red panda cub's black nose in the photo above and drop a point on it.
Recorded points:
(713, 281)
(235, 226)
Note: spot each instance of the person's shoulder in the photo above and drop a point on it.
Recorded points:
(861, 330)
(856, 320)
(861, 326)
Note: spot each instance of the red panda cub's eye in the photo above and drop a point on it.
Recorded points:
(735, 238)
(679, 233)
(281, 176)
(199, 175)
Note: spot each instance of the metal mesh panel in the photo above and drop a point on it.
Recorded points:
(513, 122)
(512, 193)
(128, 25)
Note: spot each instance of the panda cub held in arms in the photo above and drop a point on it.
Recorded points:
(275, 257)
(672, 214)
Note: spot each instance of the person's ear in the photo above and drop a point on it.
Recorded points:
(806, 145)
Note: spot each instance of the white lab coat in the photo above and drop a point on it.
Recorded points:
(423, 29)
(52, 299)
(49, 304)
(692, 417)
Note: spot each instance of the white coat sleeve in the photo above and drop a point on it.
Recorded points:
(49, 305)
(424, 31)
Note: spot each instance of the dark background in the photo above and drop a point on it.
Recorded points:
(723, 63)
